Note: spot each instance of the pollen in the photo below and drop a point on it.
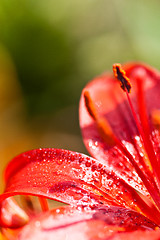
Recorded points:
(120, 74)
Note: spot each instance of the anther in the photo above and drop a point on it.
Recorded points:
(145, 133)
(108, 136)
(90, 105)
(155, 115)
(103, 126)
(120, 74)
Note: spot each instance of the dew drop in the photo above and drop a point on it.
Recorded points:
(59, 161)
(88, 164)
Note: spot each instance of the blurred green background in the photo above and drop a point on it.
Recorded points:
(50, 49)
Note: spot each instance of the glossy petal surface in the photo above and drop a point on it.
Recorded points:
(148, 235)
(71, 178)
(71, 223)
(102, 193)
(111, 103)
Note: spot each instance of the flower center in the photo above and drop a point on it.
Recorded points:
(147, 168)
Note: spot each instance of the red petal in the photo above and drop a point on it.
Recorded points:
(111, 102)
(70, 223)
(139, 235)
(69, 177)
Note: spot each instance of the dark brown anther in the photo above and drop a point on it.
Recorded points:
(120, 74)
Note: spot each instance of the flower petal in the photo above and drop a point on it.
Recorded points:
(72, 223)
(111, 103)
(139, 235)
(12, 215)
(71, 178)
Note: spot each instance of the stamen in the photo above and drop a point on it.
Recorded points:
(155, 115)
(140, 129)
(108, 136)
(44, 204)
(103, 126)
(90, 105)
(146, 129)
(105, 131)
(117, 70)
(120, 74)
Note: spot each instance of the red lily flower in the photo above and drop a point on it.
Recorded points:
(115, 196)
